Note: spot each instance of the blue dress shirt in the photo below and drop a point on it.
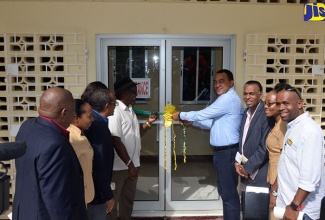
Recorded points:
(222, 117)
(102, 117)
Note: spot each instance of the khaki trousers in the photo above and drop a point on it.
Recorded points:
(124, 194)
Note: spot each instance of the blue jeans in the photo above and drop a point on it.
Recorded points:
(227, 180)
(306, 217)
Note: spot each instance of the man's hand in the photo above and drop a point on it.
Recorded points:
(110, 205)
(290, 214)
(241, 170)
(186, 122)
(133, 171)
(175, 116)
(153, 117)
(272, 201)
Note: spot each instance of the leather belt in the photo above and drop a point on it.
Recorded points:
(227, 147)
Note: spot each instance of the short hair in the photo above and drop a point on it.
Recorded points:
(91, 87)
(254, 82)
(280, 85)
(99, 99)
(79, 107)
(227, 72)
(288, 87)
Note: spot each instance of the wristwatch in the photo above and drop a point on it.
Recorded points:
(274, 193)
(294, 206)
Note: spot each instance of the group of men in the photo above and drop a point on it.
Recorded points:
(239, 137)
(50, 181)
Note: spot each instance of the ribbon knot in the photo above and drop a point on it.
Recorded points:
(168, 114)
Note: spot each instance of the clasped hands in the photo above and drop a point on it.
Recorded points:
(176, 118)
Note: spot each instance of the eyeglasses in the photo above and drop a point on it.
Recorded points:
(269, 104)
(289, 88)
(113, 103)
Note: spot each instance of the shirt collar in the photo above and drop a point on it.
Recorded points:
(230, 90)
(64, 131)
(74, 128)
(249, 112)
(102, 117)
(122, 106)
(297, 120)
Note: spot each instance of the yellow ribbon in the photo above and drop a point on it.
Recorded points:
(169, 110)
(168, 117)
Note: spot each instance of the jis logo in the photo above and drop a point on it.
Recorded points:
(314, 12)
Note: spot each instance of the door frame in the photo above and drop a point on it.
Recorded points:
(165, 42)
(101, 41)
(170, 43)
(102, 70)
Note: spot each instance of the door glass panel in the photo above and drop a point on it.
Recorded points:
(195, 179)
(196, 75)
(141, 62)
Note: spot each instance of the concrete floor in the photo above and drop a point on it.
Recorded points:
(198, 175)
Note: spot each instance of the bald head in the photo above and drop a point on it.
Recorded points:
(57, 104)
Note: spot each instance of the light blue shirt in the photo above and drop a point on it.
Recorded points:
(223, 118)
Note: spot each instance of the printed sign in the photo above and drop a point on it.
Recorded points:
(314, 12)
(143, 87)
(317, 70)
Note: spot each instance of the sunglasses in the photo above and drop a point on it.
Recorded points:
(269, 104)
(288, 88)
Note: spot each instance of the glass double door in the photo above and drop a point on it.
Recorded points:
(177, 172)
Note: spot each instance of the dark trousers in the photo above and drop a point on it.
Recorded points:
(227, 180)
(96, 212)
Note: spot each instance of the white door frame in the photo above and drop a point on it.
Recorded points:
(226, 45)
(165, 43)
(102, 69)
